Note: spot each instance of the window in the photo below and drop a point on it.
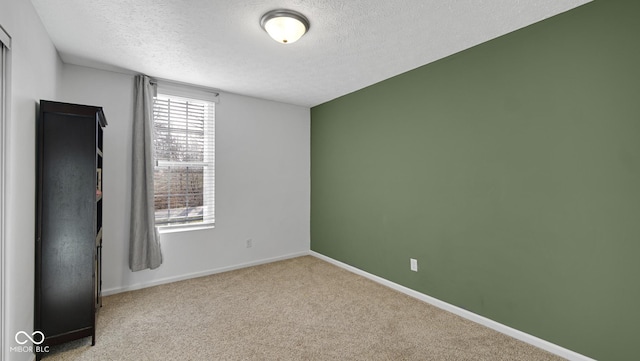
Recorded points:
(184, 152)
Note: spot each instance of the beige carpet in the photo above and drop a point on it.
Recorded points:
(298, 309)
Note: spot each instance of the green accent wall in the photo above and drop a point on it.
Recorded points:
(510, 170)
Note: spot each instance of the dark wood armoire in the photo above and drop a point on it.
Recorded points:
(68, 248)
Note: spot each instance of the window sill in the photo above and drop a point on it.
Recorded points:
(185, 228)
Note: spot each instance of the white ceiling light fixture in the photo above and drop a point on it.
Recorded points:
(284, 26)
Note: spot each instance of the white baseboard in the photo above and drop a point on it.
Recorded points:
(525, 337)
(113, 291)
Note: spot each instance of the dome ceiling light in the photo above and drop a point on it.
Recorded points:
(284, 26)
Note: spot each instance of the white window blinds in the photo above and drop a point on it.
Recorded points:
(184, 175)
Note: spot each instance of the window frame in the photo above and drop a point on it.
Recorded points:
(182, 92)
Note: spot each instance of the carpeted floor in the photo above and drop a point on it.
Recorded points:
(298, 309)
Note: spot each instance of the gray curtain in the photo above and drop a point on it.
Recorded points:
(144, 245)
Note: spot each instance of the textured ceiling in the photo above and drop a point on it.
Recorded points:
(219, 44)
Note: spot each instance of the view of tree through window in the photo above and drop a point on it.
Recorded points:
(181, 142)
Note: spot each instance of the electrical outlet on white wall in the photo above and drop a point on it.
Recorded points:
(249, 243)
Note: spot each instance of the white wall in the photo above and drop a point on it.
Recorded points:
(34, 74)
(262, 175)
(262, 183)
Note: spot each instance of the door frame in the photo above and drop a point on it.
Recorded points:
(5, 46)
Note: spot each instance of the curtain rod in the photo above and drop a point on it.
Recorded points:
(154, 81)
